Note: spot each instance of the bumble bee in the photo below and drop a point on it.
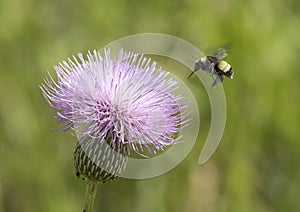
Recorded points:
(215, 66)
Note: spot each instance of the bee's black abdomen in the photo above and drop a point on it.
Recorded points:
(229, 73)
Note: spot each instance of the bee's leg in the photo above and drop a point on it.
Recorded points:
(196, 67)
(218, 79)
(191, 74)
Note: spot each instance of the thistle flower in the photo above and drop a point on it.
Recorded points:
(116, 107)
(126, 104)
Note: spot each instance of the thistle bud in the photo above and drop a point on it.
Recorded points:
(97, 160)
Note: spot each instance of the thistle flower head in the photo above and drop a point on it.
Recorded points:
(126, 102)
(126, 99)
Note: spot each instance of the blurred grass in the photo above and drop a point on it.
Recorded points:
(256, 167)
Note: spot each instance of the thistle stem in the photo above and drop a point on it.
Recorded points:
(90, 195)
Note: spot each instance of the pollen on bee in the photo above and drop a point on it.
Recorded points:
(203, 59)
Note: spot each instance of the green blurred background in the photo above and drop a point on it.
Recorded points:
(257, 165)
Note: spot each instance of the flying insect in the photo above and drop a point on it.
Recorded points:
(215, 65)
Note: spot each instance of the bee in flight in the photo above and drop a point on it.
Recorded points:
(215, 65)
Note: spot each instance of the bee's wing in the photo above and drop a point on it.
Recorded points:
(221, 54)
